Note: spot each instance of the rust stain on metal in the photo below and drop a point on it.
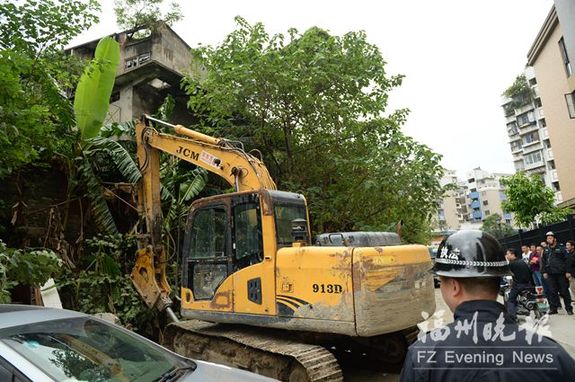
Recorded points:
(222, 300)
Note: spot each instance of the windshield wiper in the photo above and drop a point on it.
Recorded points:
(175, 373)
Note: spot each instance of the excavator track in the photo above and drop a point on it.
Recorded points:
(253, 349)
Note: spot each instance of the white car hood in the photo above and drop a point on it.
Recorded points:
(211, 372)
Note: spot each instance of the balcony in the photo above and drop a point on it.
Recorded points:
(474, 195)
(541, 113)
(544, 132)
(524, 108)
(516, 150)
(549, 154)
(534, 165)
(558, 197)
(475, 204)
(532, 146)
(477, 215)
(553, 176)
(528, 128)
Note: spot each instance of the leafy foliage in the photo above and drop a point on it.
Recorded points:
(92, 98)
(46, 26)
(29, 267)
(135, 13)
(102, 283)
(36, 118)
(519, 93)
(493, 225)
(529, 199)
(315, 106)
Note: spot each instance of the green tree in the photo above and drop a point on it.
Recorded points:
(530, 200)
(315, 106)
(28, 267)
(36, 117)
(135, 13)
(493, 225)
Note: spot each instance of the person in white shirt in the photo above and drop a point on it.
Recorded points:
(525, 253)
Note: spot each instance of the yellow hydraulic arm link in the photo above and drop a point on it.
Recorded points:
(219, 156)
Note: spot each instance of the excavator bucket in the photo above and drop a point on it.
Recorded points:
(150, 283)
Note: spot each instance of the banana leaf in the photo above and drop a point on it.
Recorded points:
(95, 87)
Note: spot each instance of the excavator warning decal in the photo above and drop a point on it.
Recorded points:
(287, 305)
(210, 159)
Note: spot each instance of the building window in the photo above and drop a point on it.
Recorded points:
(531, 137)
(512, 129)
(515, 146)
(533, 157)
(542, 122)
(487, 212)
(570, 99)
(525, 118)
(565, 56)
(538, 102)
(485, 202)
(533, 81)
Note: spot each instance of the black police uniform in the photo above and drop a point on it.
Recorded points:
(482, 344)
(481, 355)
(522, 280)
(555, 265)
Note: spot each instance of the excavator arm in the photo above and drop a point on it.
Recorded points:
(219, 156)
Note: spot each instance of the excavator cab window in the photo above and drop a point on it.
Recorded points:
(285, 213)
(209, 233)
(207, 259)
(247, 237)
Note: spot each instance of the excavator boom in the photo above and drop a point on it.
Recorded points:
(239, 168)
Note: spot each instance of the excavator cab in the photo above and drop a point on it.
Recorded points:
(230, 246)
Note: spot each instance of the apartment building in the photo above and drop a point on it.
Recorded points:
(469, 202)
(452, 209)
(527, 131)
(485, 195)
(551, 57)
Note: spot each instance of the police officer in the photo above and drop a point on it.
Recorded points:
(482, 344)
(555, 272)
(522, 280)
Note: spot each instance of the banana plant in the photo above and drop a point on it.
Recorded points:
(97, 141)
(95, 88)
(91, 104)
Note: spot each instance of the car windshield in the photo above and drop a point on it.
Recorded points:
(84, 349)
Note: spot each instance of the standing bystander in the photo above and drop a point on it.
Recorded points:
(535, 266)
(570, 246)
(525, 252)
(555, 272)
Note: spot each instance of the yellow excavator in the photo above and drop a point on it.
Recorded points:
(255, 293)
